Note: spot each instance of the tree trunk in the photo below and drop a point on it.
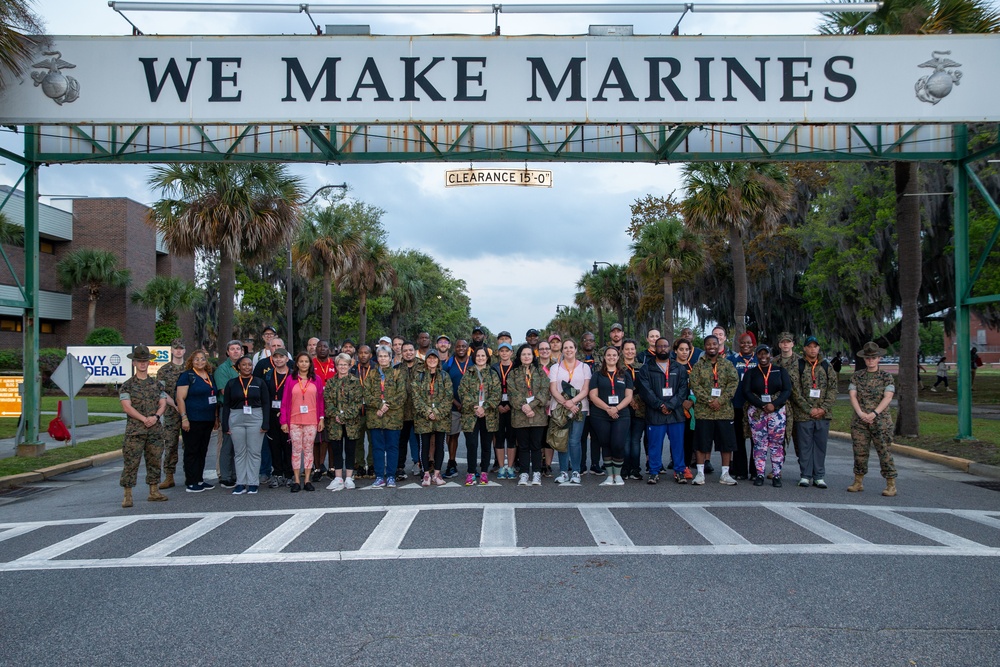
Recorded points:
(227, 290)
(739, 280)
(394, 322)
(92, 312)
(908, 237)
(327, 303)
(668, 307)
(362, 317)
(600, 327)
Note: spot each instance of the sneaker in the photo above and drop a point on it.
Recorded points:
(470, 479)
(758, 480)
(336, 485)
(417, 470)
(562, 478)
(803, 481)
(400, 473)
(619, 480)
(426, 480)
(495, 469)
(275, 482)
(819, 483)
(934, 390)
(776, 481)
(636, 476)
(575, 478)
(536, 479)
(484, 479)
(595, 470)
(227, 484)
(547, 471)
(379, 483)
(699, 479)
(687, 474)
(349, 483)
(680, 479)
(308, 486)
(652, 479)
(294, 488)
(390, 482)
(727, 479)
(239, 490)
(608, 481)
(205, 486)
(194, 488)
(709, 468)
(437, 479)
(252, 490)
(264, 479)
(451, 470)
(523, 479)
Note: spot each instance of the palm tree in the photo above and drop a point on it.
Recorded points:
(168, 295)
(93, 269)
(10, 233)
(666, 249)
(371, 275)
(241, 210)
(327, 245)
(20, 32)
(409, 290)
(738, 198)
(909, 17)
(591, 295)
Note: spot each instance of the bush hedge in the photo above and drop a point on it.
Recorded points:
(105, 336)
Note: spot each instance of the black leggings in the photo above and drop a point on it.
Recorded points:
(478, 439)
(610, 435)
(426, 441)
(942, 378)
(281, 448)
(404, 443)
(529, 448)
(343, 450)
(196, 440)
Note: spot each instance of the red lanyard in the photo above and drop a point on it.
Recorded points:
(210, 382)
(527, 381)
(433, 378)
(715, 374)
(279, 385)
(611, 378)
(246, 390)
(303, 383)
(766, 377)
(816, 363)
(463, 368)
(503, 376)
(570, 372)
(666, 375)
(324, 370)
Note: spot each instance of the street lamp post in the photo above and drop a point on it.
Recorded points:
(597, 308)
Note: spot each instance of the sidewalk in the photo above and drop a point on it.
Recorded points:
(978, 411)
(83, 434)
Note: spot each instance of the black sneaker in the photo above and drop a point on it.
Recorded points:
(400, 473)
(451, 470)
(653, 479)
(295, 488)
(636, 476)
(309, 486)
(776, 482)
(228, 484)
(758, 480)
(709, 468)
(205, 486)
(679, 478)
(194, 488)
(596, 470)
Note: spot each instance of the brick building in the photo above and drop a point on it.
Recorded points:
(981, 337)
(116, 224)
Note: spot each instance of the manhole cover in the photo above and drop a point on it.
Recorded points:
(992, 486)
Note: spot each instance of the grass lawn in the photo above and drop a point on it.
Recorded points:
(19, 464)
(94, 403)
(8, 425)
(986, 391)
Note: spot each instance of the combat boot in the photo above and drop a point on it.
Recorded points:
(858, 484)
(127, 502)
(154, 493)
(168, 481)
(890, 487)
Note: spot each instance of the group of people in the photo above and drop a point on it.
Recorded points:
(355, 412)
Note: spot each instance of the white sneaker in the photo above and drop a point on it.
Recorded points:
(336, 485)
(727, 479)
(619, 480)
(803, 481)
(819, 483)
(523, 479)
(575, 479)
(934, 390)
(536, 479)
(349, 483)
(699, 479)
(610, 481)
(562, 478)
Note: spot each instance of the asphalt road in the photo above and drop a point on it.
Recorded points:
(661, 574)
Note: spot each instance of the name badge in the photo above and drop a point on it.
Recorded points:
(668, 392)
(766, 398)
(814, 393)
(716, 392)
(504, 398)
(528, 400)
(481, 403)
(304, 409)
(612, 400)
(275, 405)
(212, 400)
(247, 410)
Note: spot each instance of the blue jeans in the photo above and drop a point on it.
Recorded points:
(265, 456)
(569, 461)
(656, 433)
(385, 445)
(633, 446)
(675, 432)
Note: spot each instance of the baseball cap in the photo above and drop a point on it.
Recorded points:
(554, 337)
(385, 339)
(504, 333)
(617, 325)
(447, 338)
(477, 330)
(531, 332)
(268, 327)
(810, 340)
(505, 345)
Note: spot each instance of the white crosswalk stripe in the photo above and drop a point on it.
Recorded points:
(500, 535)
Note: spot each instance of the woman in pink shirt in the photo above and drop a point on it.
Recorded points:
(302, 411)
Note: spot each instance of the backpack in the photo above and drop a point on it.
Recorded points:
(825, 365)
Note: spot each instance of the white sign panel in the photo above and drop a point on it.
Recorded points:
(461, 79)
(107, 364)
(70, 375)
(523, 177)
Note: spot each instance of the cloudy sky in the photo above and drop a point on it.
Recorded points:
(520, 250)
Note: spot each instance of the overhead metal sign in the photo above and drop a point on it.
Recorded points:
(540, 79)
(523, 177)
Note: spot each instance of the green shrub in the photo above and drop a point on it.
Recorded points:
(166, 332)
(11, 360)
(105, 336)
(49, 359)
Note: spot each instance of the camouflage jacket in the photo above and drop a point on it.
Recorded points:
(701, 383)
(425, 402)
(637, 407)
(393, 393)
(145, 396)
(410, 372)
(870, 388)
(167, 375)
(802, 385)
(517, 391)
(342, 398)
(469, 392)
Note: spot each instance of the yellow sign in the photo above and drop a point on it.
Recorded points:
(10, 397)
(523, 177)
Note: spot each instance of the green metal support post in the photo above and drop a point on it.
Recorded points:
(31, 401)
(963, 356)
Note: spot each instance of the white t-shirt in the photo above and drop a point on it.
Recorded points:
(581, 373)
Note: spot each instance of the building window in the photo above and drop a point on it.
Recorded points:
(46, 327)
(48, 247)
(16, 325)
(10, 324)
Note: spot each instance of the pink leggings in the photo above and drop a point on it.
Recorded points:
(302, 436)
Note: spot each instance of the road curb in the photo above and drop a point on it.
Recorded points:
(958, 463)
(69, 466)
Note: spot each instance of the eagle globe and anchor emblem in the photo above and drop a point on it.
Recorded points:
(935, 87)
(56, 85)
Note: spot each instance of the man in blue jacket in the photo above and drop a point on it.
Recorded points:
(663, 386)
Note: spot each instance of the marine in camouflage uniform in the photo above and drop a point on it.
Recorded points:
(468, 394)
(424, 402)
(167, 375)
(869, 389)
(343, 397)
(146, 396)
(791, 366)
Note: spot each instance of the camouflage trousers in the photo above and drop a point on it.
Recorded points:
(148, 443)
(171, 434)
(878, 435)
